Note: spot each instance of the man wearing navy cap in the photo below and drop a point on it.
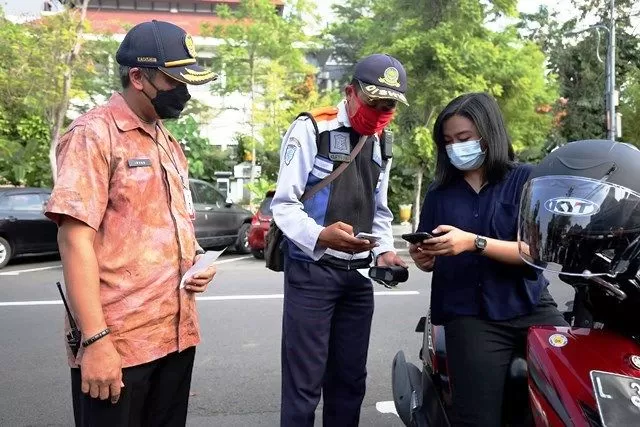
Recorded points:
(328, 305)
(124, 210)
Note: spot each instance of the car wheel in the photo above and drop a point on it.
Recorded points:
(5, 252)
(242, 245)
(257, 253)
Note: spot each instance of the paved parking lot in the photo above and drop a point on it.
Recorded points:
(237, 371)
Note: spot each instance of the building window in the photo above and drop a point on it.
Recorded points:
(108, 4)
(144, 5)
(204, 7)
(186, 7)
(161, 6)
(126, 4)
(205, 62)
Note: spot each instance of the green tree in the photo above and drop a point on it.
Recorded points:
(204, 159)
(579, 62)
(448, 49)
(630, 109)
(263, 55)
(33, 83)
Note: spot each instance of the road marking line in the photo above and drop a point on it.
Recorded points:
(21, 303)
(28, 270)
(387, 407)
(224, 261)
(211, 298)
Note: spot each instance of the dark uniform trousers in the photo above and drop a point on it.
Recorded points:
(325, 338)
(155, 394)
(479, 353)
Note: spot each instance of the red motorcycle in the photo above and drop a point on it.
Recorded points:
(580, 218)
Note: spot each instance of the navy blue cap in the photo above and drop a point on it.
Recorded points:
(382, 76)
(163, 45)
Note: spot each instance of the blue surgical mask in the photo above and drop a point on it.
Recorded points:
(466, 156)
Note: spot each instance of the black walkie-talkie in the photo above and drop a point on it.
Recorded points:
(73, 336)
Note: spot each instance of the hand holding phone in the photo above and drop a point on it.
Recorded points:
(417, 237)
(368, 236)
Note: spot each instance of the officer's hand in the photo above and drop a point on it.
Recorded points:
(339, 236)
(389, 259)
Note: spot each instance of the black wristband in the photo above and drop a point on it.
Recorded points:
(103, 333)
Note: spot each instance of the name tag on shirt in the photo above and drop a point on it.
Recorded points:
(139, 163)
(188, 201)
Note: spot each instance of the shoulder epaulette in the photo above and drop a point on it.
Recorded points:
(324, 113)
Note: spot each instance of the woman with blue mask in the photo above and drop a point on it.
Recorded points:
(482, 292)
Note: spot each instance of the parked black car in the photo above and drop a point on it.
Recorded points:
(23, 227)
(25, 230)
(219, 222)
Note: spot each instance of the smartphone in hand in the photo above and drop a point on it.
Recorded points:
(368, 236)
(417, 237)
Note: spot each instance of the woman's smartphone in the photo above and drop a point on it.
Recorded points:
(417, 237)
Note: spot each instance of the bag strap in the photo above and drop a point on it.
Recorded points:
(333, 175)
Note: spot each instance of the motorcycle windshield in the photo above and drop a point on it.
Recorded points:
(566, 222)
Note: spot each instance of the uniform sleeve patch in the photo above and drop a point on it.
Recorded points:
(289, 152)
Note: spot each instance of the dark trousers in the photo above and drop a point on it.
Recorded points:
(479, 353)
(155, 394)
(325, 339)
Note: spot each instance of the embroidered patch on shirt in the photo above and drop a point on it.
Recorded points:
(339, 143)
(292, 146)
(339, 147)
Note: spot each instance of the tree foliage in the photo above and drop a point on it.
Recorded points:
(448, 49)
(579, 62)
(32, 90)
(263, 57)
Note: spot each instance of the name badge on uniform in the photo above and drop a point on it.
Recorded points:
(138, 163)
(188, 202)
(339, 147)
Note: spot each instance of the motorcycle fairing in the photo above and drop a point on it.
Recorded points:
(560, 361)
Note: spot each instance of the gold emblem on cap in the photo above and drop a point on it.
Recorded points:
(193, 76)
(391, 76)
(188, 43)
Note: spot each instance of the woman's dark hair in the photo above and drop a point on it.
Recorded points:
(484, 112)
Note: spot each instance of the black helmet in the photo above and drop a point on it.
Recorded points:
(580, 210)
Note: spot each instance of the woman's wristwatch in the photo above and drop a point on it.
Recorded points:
(481, 243)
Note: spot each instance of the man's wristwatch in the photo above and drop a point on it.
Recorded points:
(481, 243)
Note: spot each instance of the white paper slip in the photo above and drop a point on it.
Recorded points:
(203, 263)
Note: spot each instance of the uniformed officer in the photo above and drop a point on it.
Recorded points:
(328, 305)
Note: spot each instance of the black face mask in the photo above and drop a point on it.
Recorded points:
(169, 103)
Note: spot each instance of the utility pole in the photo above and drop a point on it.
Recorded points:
(612, 95)
(614, 129)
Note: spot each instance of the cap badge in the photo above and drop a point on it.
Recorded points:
(390, 77)
(188, 43)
